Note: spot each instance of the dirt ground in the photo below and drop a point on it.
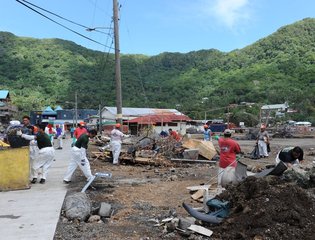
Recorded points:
(141, 196)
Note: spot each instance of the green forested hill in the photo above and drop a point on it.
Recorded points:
(275, 69)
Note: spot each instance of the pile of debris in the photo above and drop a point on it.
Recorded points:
(157, 151)
(268, 208)
(271, 207)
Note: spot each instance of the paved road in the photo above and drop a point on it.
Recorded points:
(34, 213)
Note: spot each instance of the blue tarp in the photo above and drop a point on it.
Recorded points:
(4, 94)
(48, 111)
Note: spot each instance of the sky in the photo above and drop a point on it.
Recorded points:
(151, 27)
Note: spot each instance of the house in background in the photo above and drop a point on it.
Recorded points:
(61, 116)
(7, 110)
(159, 122)
(109, 113)
(270, 112)
(138, 118)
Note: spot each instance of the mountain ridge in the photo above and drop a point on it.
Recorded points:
(274, 69)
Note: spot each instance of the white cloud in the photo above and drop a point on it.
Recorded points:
(229, 12)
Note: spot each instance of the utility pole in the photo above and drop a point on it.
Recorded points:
(117, 64)
(76, 107)
(100, 119)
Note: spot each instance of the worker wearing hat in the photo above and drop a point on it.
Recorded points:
(79, 130)
(116, 137)
(207, 133)
(79, 158)
(228, 150)
(262, 141)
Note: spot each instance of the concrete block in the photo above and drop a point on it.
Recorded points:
(105, 210)
(191, 154)
(185, 223)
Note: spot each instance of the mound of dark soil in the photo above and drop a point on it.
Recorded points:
(268, 208)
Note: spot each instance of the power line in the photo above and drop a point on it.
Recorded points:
(62, 24)
(63, 18)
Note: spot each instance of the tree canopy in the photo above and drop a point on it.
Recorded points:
(276, 69)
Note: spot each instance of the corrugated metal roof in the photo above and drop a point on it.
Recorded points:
(141, 111)
(159, 118)
(4, 94)
(275, 106)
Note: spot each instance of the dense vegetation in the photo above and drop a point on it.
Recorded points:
(278, 68)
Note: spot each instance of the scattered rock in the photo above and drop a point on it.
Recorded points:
(170, 227)
(172, 178)
(172, 170)
(77, 206)
(105, 210)
(94, 218)
(184, 223)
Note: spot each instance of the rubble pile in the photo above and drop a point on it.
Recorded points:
(268, 208)
(155, 150)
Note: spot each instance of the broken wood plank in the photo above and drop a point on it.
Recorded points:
(192, 161)
(199, 229)
(143, 160)
(206, 148)
(195, 188)
(197, 194)
(99, 153)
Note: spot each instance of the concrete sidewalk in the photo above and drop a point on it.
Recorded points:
(34, 213)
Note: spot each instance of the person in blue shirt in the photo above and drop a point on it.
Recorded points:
(59, 134)
(207, 133)
(72, 131)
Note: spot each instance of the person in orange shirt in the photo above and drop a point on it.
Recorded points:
(79, 131)
(174, 134)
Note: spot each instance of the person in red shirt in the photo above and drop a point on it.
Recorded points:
(174, 134)
(79, 130)
(228, 150)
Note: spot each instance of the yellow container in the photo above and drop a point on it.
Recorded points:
(14, 169)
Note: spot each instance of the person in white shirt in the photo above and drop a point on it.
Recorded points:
(116, 137)
(263, 141)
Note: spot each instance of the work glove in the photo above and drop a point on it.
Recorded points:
(19, 133)
(216, 137)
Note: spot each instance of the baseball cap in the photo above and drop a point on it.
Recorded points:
(227, 131)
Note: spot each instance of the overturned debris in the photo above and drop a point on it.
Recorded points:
(206, 148)
(157, 151)
(269, 208)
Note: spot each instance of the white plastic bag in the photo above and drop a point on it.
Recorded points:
(228, 177)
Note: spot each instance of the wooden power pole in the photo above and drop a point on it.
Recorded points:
(76, 107)
(117, 64)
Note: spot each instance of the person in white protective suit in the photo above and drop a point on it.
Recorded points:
(45, 156)
(78, 157)
(262, 141)
(33, 155)
(30, 130)
(116, 137)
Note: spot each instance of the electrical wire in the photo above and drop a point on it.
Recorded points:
(63, 18)
(90, 39)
